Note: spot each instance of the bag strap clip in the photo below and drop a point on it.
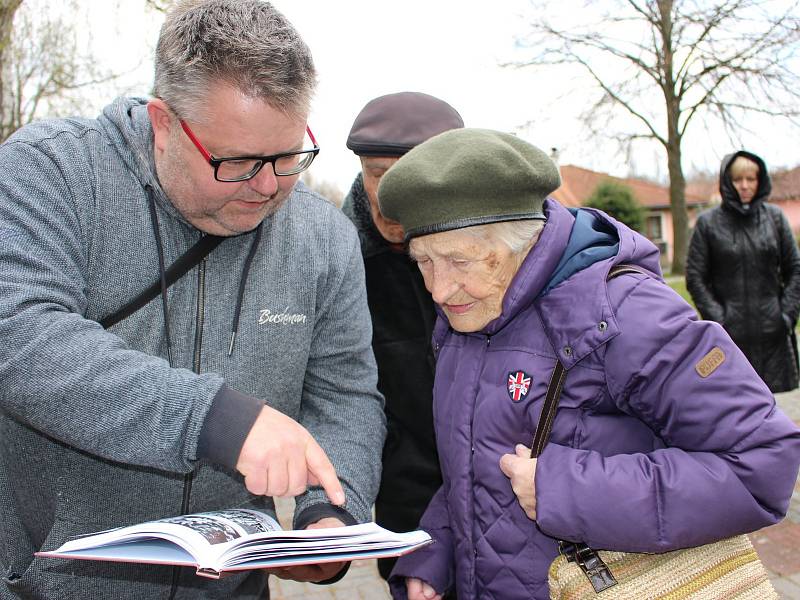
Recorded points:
(589, 561)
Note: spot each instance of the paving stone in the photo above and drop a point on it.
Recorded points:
(777, 546)
(787, 590)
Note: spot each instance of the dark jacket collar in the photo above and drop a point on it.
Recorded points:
(356, 208)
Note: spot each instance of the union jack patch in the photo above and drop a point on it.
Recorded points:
(518, 385)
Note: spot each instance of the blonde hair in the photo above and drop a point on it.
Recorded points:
(741, 166)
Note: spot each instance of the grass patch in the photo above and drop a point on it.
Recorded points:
(678, 283)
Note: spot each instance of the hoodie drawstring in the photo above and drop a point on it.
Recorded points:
(163, 277)
(242, 284)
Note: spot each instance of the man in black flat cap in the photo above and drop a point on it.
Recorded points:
(402, 310)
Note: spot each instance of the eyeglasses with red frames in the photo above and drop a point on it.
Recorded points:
(242, 168)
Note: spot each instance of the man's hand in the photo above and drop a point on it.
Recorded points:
(419, 590)
(520, 468)
(319, 572)
(280, 458)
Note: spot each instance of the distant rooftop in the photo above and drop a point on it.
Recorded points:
(577, 184)
(786, 184)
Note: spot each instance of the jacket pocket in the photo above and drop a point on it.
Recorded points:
(32, 576)
(37, 577)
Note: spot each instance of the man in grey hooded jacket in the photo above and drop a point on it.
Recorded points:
(249, 377)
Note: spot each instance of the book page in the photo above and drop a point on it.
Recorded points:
(202, 535)
(237, 539)
(222, 526)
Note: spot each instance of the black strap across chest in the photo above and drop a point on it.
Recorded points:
(176, 270)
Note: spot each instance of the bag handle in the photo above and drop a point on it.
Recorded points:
(548, 413)
(587, 559)
(184, 263)
(558, 377)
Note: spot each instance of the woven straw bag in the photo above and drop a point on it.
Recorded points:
(727, 569)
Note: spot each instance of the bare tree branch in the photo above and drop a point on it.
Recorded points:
(658, 64)
(611, 93)
(159, 5)
(43, 68)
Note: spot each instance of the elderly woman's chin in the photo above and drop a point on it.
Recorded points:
(469, 318)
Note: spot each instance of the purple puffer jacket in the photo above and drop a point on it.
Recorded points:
(646, 454)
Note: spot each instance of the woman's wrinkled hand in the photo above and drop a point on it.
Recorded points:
(419, 590)
(520, 468)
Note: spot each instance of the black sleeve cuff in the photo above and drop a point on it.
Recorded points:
(227, 424)
(314, 513)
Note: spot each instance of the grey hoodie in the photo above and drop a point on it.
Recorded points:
(97, 430)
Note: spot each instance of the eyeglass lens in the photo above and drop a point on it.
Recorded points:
(238, 169)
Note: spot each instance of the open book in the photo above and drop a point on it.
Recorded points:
(235, 540)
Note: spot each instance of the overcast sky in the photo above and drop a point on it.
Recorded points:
(451, 49)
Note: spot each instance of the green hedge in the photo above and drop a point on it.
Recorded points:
(678, 283)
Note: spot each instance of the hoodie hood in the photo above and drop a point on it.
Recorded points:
(730, 197)
(591, 240)
(127, 124)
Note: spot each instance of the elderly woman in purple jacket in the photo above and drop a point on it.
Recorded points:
(665, 437)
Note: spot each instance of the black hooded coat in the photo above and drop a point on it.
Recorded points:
(743, 271)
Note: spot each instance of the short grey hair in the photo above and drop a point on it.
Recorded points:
(520, 236)
(244, 43)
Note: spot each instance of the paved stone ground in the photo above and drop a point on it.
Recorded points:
(778, 546)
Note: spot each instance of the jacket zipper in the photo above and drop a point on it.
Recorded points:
(198, 344)
(198, 336)
(751, 334)
(472, 582)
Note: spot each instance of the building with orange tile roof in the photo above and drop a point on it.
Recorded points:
(578, 184)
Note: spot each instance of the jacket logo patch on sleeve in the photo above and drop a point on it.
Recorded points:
(519, 384)
(709, 363)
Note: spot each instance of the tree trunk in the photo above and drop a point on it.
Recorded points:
(7, 10)
(677, 200)
(677, 182)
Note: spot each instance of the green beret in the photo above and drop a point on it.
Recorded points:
(466, 177)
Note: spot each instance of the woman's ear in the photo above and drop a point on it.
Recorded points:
(161, 120)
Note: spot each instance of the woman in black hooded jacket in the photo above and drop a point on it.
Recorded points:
(743, 270)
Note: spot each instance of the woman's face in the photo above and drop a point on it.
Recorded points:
(744, 176)
(746, 183)
(466, 274)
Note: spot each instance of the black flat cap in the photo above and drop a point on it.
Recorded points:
(393, 124)
(467, 177)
